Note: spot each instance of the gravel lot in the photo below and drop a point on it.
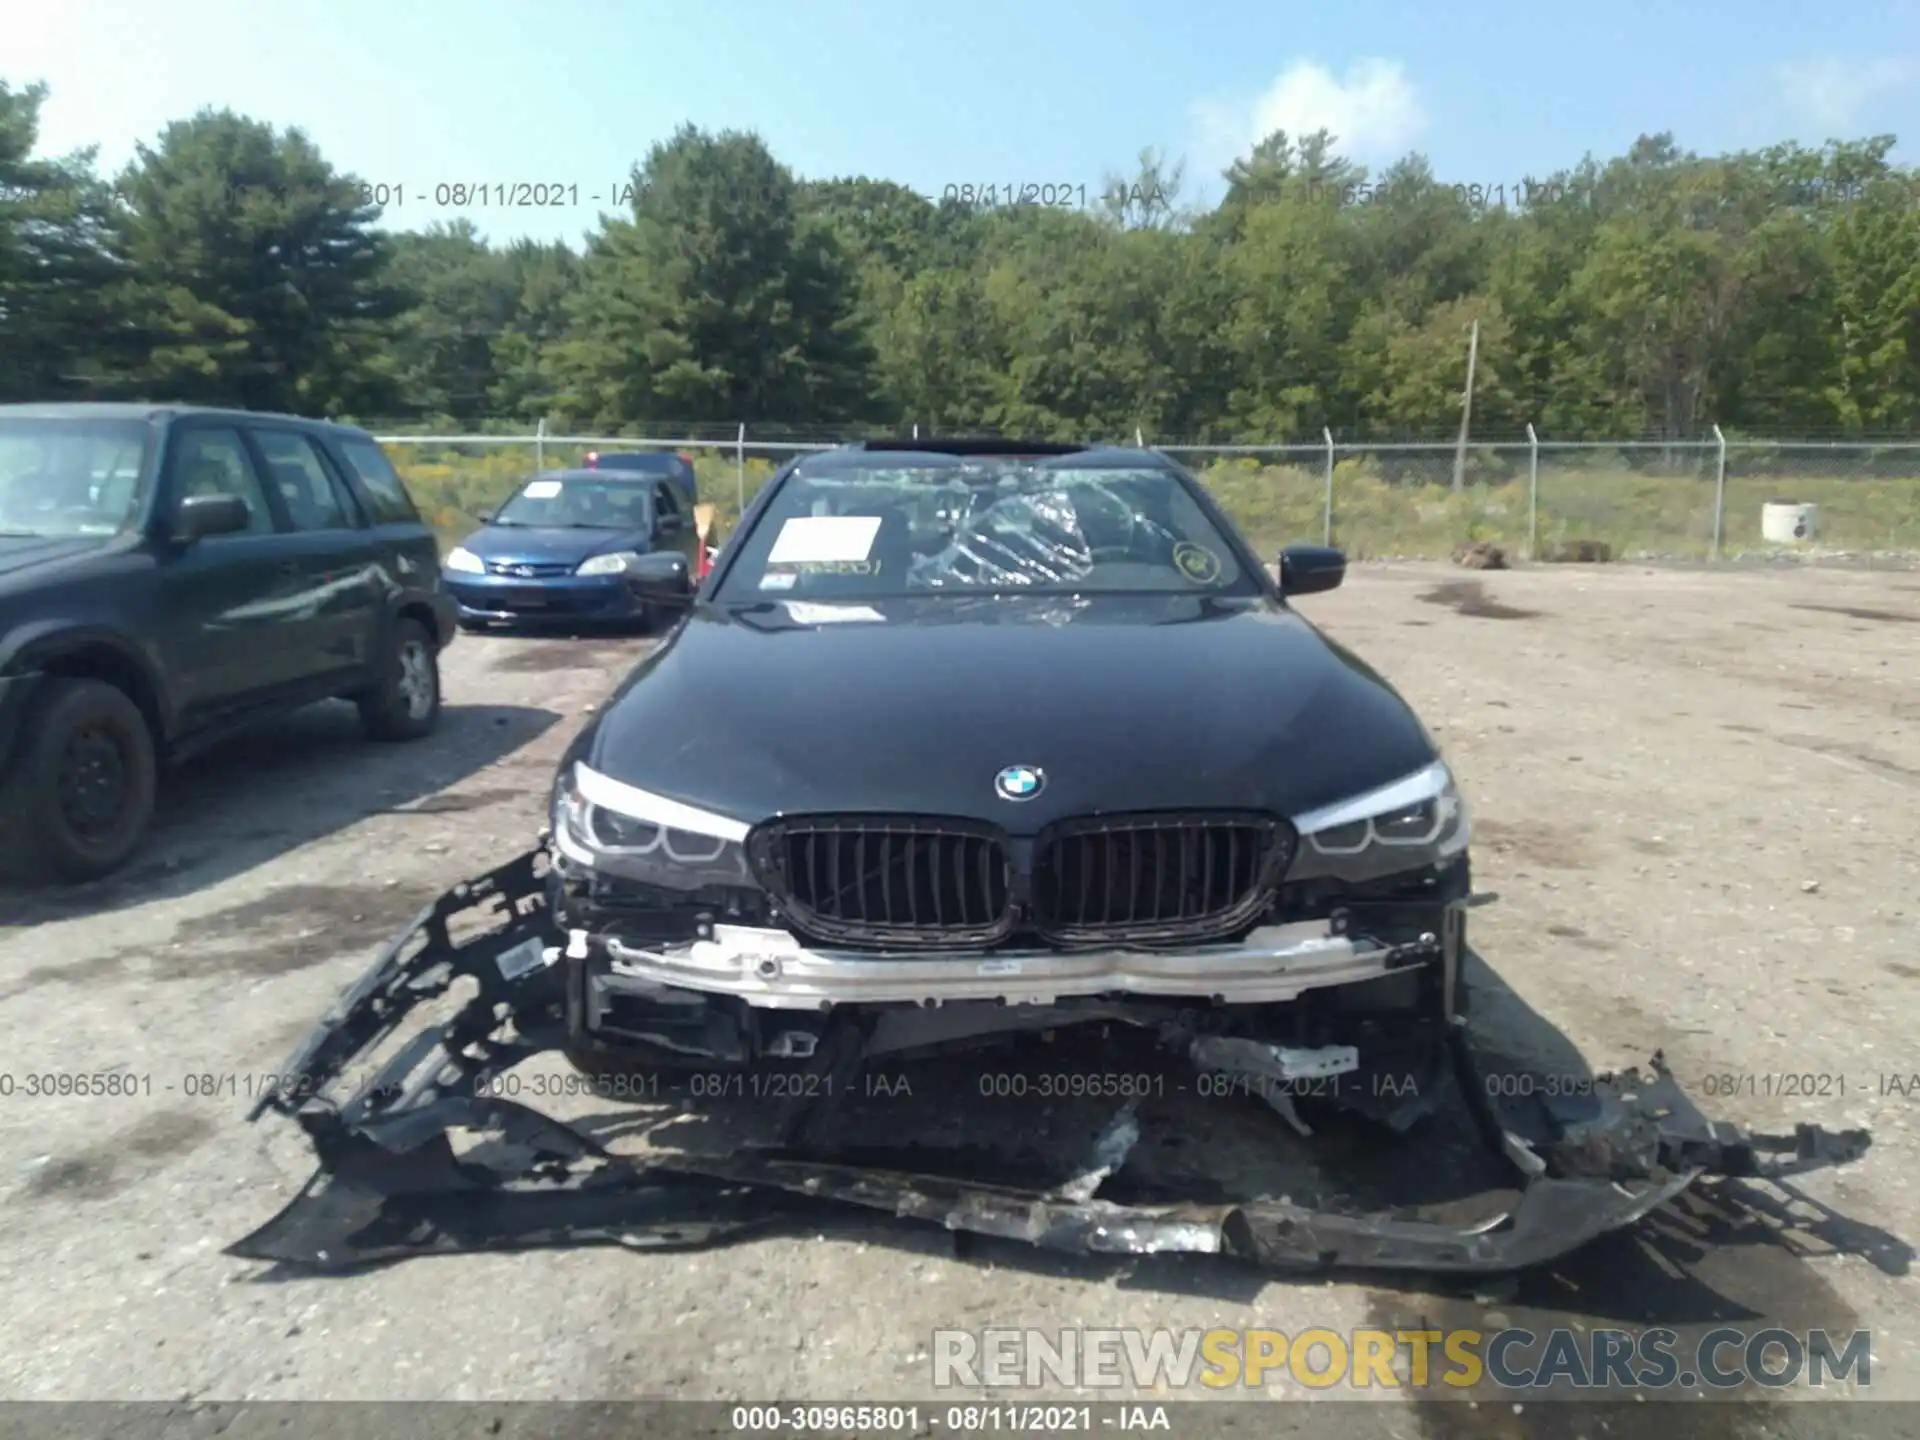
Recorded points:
(1695, 794)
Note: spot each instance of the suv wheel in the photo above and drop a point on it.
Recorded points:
(406, 703)
(83, 784)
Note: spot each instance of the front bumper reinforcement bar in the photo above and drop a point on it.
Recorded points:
(391, 1184)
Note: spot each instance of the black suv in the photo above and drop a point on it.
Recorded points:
(170, 574)
(675, 467)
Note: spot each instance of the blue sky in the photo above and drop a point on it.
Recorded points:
(417, 93)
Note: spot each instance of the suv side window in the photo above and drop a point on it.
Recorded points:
(666, 503)
(391, 503)
(311, 494)
(215, 462)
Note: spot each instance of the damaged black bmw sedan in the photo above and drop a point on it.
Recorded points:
(958, 742)
(963, 742)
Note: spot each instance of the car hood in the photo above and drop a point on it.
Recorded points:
(20, 554)
(1128, 703)
(539, 545)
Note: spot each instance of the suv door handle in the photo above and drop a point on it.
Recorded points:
(287, 567)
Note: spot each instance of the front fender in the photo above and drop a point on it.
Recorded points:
(36, 647)
(16, 691)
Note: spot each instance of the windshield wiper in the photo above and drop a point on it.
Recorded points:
(769, 617)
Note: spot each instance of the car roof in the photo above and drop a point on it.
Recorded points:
(153, 410)
(974, 445)
(580, 472)
(893, 454)
(666, 460)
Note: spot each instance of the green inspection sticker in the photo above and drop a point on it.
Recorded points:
(1196, 562)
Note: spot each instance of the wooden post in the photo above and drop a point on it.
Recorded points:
(1466, 413)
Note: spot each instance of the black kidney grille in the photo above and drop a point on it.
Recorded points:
(1156, 878)
(887, 880)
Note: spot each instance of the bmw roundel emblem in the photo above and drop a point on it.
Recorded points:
(1020, 782)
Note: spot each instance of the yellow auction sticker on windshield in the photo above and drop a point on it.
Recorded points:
(1196, 562)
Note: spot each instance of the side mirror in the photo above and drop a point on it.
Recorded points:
(1309, 569)
(661, 578)
(202, 515)
(485, 517)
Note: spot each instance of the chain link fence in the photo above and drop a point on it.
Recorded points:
(1705, 499)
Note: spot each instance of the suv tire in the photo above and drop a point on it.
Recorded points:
(82, 786)
(405, 704)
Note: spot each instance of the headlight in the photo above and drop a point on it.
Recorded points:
(1412, 824)
(613, 564)
(465, 561)
(605, 824)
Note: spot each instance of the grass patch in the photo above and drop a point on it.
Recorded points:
(1377, 513)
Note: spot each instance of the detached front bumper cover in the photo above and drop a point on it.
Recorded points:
(390, 1183)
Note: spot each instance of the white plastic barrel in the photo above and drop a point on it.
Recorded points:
(1783, 522)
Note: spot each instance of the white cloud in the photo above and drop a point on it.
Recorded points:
(1830, 94)
(1373, 111)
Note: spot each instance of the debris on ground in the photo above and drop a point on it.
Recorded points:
(1576, 552)
(1486, 1185)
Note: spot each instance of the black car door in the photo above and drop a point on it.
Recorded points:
(225, 597)
(673, 524)
(338, 592)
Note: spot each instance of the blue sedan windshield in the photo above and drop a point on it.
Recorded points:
(572, 503)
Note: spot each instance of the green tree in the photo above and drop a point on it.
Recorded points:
(1292, 308)
(1772, 291)
(873, 220)
(1410, 377)
(716, 300)
(64, 295)
(1149, 199)
(544, 279)
(458, 298)
(262, 278)
(1280, 167)
(1876, 286)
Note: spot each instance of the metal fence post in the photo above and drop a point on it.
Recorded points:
(740, 469)
(540, 447)
(1327, 431)
(1139, 440)
(1719, 488)
(1533, 491)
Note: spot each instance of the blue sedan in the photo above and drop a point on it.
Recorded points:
(563, 549)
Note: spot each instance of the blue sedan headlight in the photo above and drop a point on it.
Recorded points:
(614, 564)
